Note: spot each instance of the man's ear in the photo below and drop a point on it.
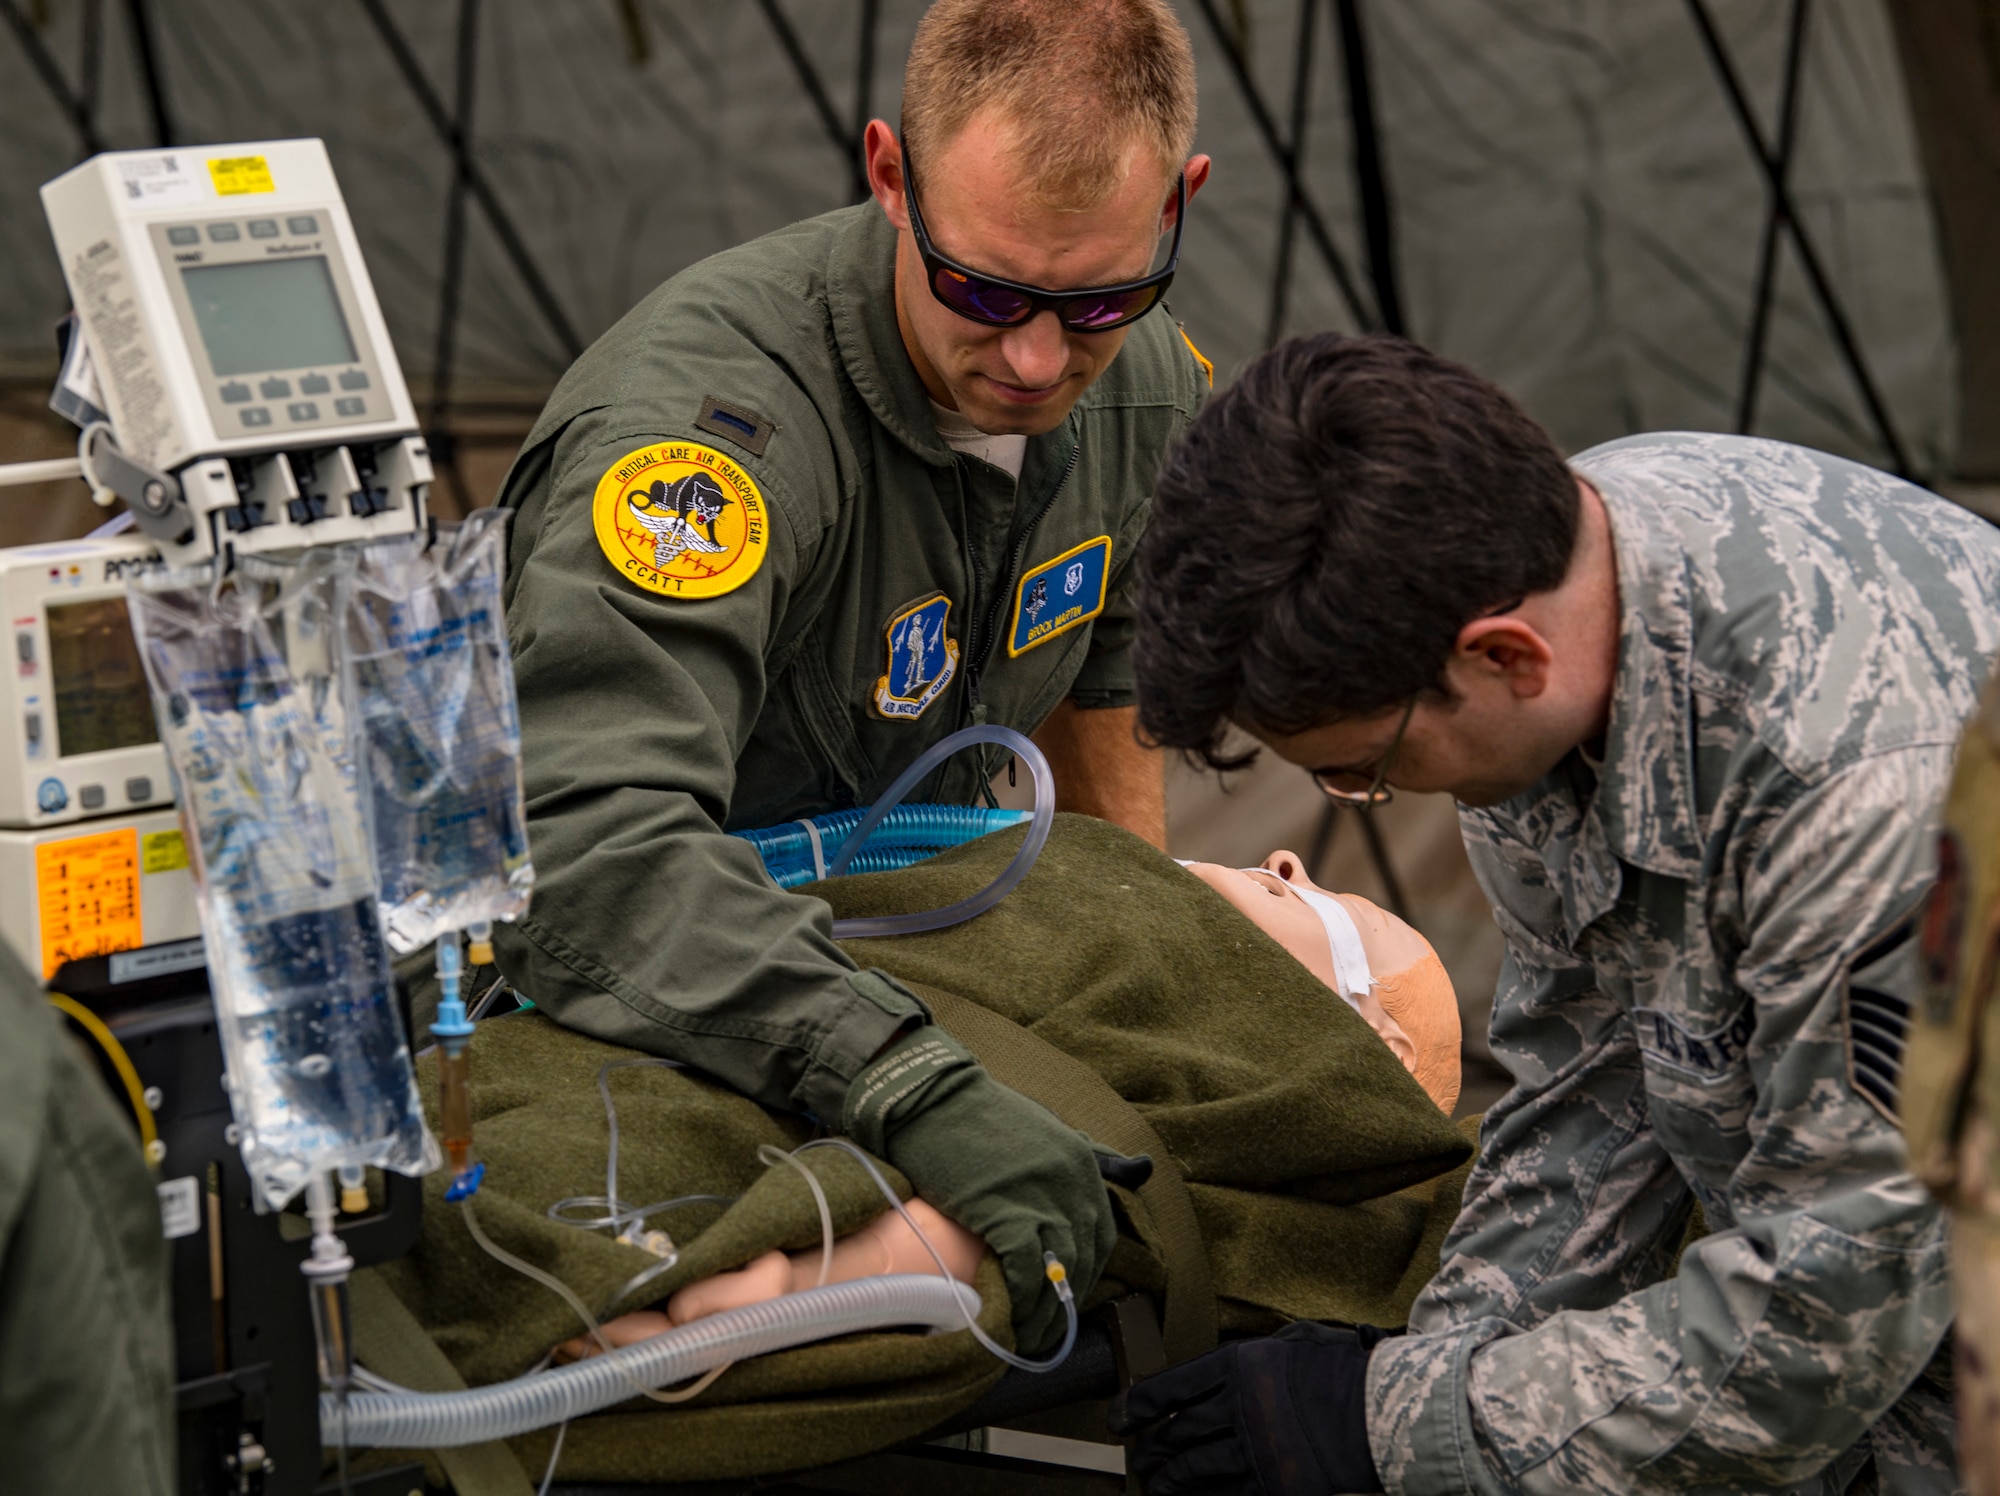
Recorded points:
(1507, 651)
(884, 157)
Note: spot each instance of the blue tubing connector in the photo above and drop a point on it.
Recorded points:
(794, 854)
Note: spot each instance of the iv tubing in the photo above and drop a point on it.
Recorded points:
(994, 892)
(445, 1420)
(1057, 1275)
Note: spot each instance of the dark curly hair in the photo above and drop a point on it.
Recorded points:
(1326, 528)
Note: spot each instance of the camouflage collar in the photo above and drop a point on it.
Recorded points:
(1645, 801)
(861, 285)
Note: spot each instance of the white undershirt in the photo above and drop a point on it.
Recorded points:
(1004, 452)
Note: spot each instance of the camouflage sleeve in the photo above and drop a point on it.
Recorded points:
(1781, 1340)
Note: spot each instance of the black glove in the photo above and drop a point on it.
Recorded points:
(1000, 1165)
(1282, 1416)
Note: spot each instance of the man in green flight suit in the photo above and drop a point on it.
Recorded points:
(1697, 697)
(816, 503)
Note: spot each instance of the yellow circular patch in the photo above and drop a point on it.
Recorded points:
(682, 520)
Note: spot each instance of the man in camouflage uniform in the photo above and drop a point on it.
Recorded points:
(1697, 696)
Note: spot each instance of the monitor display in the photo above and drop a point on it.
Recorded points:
(100, 685)
(262, 315)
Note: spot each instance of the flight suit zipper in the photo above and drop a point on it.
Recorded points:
(989, 636)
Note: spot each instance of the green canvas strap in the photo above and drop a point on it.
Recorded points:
(389, 1342)
(1018, 1057)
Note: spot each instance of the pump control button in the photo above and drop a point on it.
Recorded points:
(354, 379)
(263, 228)
(235, 392)
(24, 651)
(31, 726)
(275, 389)
(350, 405)
(256, 415)
(138, 789)
(184, 236)
(224, 233)
(303, 410)
(91, 797)
(314, 384)
(51, 797)
(305, 223)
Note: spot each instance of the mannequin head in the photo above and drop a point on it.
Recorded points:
(1409, 1001)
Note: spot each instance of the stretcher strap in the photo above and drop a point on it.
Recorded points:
(1018, 1057)
(389, 1342)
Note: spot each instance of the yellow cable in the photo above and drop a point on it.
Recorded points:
(91, 1024)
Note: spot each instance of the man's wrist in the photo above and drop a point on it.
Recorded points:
(894, 1079)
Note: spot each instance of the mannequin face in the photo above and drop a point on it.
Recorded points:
(1264, 896)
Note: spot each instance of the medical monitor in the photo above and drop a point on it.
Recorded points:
(78, 737)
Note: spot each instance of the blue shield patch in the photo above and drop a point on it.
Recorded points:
(1058, 595)
(922, 660)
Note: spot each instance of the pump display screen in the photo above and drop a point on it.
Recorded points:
(262, 315)
(100, 684)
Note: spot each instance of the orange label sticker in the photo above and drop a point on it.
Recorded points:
(88, 887)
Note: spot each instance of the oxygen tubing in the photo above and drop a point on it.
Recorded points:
(447, 1420)
(994, 892)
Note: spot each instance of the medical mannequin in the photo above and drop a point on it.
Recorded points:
(1382, 968)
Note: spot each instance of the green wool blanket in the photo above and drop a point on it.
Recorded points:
(1311, 1157)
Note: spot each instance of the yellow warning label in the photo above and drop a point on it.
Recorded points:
(88, 888)
(162, 852)
(236, 175)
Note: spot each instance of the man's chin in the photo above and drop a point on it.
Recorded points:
(999, 416)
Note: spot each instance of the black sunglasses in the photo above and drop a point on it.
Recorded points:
(1003, 303)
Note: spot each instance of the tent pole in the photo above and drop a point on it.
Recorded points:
(1809, 260)
(475, 180)
(1288, 216)
(149, 69)
(1371, 181)
(44, 63)
(443, 445)
(829, 118)
(1260, 115)
(864, 90)
(1767, 248)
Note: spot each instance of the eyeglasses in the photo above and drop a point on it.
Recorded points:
(1337, 784)
(995, 302)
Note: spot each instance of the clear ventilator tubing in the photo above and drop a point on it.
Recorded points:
(1000, 887)
(447, 1420)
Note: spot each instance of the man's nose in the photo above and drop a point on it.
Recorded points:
(1037, 351)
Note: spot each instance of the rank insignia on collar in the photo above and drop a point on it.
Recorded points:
(1058, 595)
(922, 660)
(682, 520)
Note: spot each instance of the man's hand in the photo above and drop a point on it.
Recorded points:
(1282, 1416)
(998, 1164)
(1102, 771)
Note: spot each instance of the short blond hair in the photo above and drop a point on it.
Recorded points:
(1080, 82)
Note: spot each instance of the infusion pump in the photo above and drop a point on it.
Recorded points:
(254, 398)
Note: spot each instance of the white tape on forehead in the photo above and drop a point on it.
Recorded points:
(1351, 977)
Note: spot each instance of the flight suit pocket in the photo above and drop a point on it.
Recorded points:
(1698, 1084)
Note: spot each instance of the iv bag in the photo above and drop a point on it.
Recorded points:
(437, 734)
(245, 684)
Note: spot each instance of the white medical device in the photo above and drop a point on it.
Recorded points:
(255, 401)
(77, 733)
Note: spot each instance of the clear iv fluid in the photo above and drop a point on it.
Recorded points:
(439, 731)
(318, 1067)
(320, 1070)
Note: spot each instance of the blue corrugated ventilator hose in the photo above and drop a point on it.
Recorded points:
(889, 834)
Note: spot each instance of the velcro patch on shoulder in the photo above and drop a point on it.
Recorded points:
(735, 423)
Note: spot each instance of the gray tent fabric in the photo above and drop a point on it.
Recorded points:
(1575, 211)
